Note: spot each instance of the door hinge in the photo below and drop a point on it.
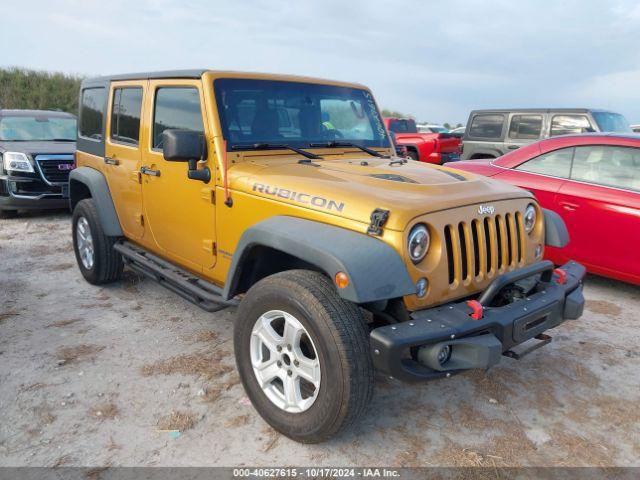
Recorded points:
(378, 218)
(136, 176)
(208, 195)
(209, 245)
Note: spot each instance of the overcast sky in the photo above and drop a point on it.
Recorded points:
(435, 60)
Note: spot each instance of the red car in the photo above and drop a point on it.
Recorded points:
(425, 147)
(593, 182)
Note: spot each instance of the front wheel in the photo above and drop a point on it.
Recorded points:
(303, 355)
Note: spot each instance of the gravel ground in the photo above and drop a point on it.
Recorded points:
(131, 375)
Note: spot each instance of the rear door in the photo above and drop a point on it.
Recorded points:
(123, 155)
(601, 206)
(524, 128)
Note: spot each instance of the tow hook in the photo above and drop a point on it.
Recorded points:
(477, 310)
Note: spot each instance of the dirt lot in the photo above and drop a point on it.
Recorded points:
(131, 374)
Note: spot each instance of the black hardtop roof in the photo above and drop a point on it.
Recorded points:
(540, 110)
(15, 112)
(193, 73)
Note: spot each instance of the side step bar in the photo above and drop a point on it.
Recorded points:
(204, 294)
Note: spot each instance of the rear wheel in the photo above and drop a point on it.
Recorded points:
(413, 155)
(99, 263)
(303, 356)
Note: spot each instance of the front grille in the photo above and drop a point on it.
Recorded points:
(50, 167)
(485, 247)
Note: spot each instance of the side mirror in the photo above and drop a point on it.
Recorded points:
(186, 146)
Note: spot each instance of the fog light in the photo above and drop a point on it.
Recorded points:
(421, 287)
(444, 354)
(538, 251)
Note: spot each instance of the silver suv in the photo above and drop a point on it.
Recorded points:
(492, 133)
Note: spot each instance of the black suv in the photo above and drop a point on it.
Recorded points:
(36, 156)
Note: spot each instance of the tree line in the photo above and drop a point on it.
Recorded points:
(31, 89)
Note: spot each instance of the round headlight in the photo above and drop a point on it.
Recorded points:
(418, 243)
(529, 218)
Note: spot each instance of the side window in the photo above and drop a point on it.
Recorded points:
(91, 113)
(525, 127)
(555, 164)
(487, 126)
(125, 115)
(176, 107)
(608, 165)
(567, 124)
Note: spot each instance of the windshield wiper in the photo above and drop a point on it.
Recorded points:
(276, 146)
(347, 144)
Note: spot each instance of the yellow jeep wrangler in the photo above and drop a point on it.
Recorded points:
(282, 195)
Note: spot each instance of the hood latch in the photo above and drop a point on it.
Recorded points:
(378, 218)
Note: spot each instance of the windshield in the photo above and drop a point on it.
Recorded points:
(37, 127)
(611, 122)
(296, 114)
(433, 129)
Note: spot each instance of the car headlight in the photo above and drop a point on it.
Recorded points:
(530, 215)
(16, 162)
(418, 242)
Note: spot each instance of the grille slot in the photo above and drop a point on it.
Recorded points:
(49, 166)
(484, 246)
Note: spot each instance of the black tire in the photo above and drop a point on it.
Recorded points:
(8, 213)
(107, 265)
(413, 155)
(341, 337)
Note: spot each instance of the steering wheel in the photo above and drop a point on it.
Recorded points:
(331, 133)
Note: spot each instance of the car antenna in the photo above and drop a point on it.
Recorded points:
(228, 201)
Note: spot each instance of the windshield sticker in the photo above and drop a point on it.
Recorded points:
(299, 197)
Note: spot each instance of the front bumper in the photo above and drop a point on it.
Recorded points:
(26, 193)
(408, 350)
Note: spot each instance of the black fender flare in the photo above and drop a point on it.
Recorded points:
(493, 152)
(555, 230)
(96, 183)
(375, 270)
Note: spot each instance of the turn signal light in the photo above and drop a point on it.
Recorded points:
(342, 280)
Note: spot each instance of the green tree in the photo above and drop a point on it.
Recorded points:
(394, 114)
(447, 125)
(31, 89)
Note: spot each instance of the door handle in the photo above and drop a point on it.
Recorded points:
(111, 161)
(513, 147)
(149, 171)
(570, 207)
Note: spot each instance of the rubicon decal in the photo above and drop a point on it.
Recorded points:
(299, 197)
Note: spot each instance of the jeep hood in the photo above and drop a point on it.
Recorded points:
(354, 187)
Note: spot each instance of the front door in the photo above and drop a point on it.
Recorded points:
(123, 155)
(601, 204)
(180, 212)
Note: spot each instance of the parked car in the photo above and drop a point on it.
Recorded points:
(635, 128)
(458, 132)
(427, 128)
(36, 156)
(343, 259)
(435, 148)
(593, 182)
(491, 133)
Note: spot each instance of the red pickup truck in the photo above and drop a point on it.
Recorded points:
(426, 147)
